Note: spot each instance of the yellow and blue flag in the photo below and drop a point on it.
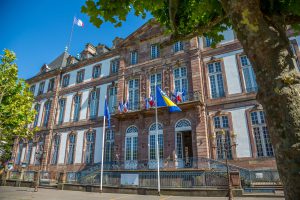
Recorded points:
(163, 100)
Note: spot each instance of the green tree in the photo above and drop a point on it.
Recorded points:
(15, 104)
(261, 27)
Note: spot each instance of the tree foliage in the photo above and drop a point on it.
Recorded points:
(261, 27)
(15, 104)
(185, 18)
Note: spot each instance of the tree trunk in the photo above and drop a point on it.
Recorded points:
(266, 43)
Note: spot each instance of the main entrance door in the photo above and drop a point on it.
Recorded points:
(183, 141)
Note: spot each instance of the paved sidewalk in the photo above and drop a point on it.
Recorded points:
(22, 193)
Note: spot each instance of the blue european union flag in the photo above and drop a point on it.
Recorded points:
(106, 113)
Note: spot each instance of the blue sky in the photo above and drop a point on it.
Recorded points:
(38, 31)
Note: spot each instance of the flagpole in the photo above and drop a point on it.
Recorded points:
(71, 34)
(157, 147)
(102, 153)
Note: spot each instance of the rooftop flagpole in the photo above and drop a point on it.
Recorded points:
(157, 147)
(71, 34)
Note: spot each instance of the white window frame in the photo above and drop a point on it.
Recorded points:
(152, 79)
(178, 46)
(215, 74)
(181, 78)
(154, 51)
(251, 80)
(264, 136)
(134, 94)
(134, 57)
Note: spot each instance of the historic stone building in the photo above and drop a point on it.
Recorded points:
(218, 105)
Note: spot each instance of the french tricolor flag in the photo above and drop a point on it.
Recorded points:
(78, 22)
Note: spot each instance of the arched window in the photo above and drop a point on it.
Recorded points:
(93, 104)
(152, 141)
(47, 107)
(18, 160)
(131, 142)
(90, 147)
(183, 125)
(71, 148)
(29, 150)
(109, 145)
(56, 143)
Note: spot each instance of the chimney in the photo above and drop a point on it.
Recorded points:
(101, 48)
(116, 42)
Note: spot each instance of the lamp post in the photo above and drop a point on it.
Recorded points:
(226, 147)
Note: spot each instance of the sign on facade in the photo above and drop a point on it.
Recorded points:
(130, 179)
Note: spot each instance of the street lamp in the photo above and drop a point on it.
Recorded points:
(226, 146)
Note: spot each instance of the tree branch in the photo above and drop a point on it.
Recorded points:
(292, 19)
(199, 30)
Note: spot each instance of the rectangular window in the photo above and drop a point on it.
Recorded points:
(32, 89)
(223, 139)
(56, 143)
(36, 117)
(180, 80)
(51, 84)
(207, 41)
(62, 104)
(41, 88)
(77, 107)
(216, 80)
(96, 71)
(248, 75)
(29, 150)
(178, 46)
(71, 148)
(112, 99)
(261, 134)
(66, 79)
(80, 76)
(109, 147)
(128, 148)
(154, 51)
(90, 147)
(133, 57)
(155, 78)
(152, 146)
(133, 93)
(115, 66)
(93, 104)
(47, 113)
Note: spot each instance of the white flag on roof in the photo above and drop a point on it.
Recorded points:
(78, 22)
